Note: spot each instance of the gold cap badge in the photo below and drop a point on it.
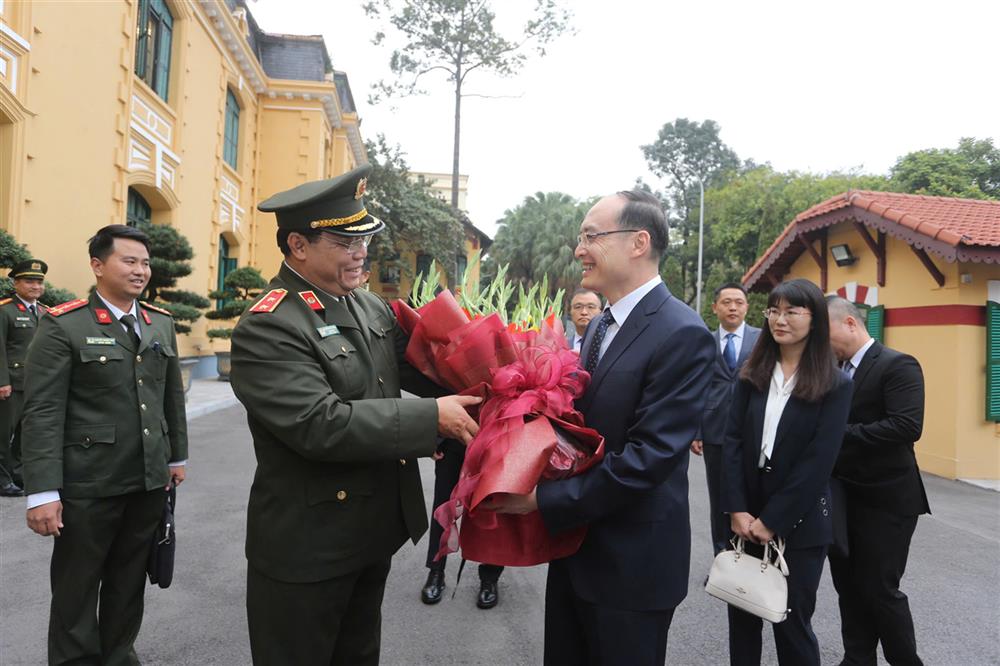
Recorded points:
(362, 186)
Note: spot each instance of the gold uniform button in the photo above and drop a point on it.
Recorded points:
(87, 440)
(402, 461)
(103, 359)
(17, 365)
(138, 359)
(142, 406)
(380, 381)
(341, 495)
(140, 382)
(343, 349)
(145, 431)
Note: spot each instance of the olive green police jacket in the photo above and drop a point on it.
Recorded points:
(101, 418)
(17, 328)
(337, 484)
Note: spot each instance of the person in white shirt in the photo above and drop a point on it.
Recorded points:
(785, 428)
(582, 308)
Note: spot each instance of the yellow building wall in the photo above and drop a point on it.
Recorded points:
(957, 441)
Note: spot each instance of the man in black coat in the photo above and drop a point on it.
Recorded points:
(883, 493)
(734, 340)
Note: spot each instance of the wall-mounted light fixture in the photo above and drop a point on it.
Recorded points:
(842, 255)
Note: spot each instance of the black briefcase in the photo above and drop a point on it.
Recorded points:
(160, 566)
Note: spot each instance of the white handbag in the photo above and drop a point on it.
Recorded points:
(752, 584)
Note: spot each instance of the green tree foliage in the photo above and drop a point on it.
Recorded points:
(12, 252)
(414, 217)
(536, 240)
(971, 171)
(456, 38)
(240, 288)
(170, 256)
(685, 152)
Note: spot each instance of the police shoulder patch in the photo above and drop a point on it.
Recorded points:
(68, 306)
(155, 308)
(270, 301)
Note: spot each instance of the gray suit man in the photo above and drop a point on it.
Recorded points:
(734, 339)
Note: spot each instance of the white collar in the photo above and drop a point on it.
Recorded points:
(778, 379)
(623, 308)
(118, 312)
(860, 354)
(738, 332)
(26, 303)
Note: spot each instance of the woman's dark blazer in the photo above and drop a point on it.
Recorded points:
(791, 496)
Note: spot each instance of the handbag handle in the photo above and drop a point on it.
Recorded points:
(774, 552)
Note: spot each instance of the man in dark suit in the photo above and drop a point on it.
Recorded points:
(104, 435)
(650, 358)
(318, 364)
(583, 307)
(883, 491)
(734, 339)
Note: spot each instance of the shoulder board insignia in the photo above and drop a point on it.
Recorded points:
(68, 306)
(270, 301)
(41, 308)
(155, 308)
(6, 301)
(311, 300)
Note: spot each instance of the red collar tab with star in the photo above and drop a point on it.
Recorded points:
(69, 306)
(311, 300)
(270, 301)
(103, 316)
(145, 317)
(20, 306)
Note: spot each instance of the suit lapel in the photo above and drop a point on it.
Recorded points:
(867, 361)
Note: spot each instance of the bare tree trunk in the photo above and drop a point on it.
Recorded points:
(458, 130)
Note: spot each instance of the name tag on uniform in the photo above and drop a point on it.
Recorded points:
(24, 318)
(327, 331)
(101, 341)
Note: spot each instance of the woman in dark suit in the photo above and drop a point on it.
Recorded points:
(785, 428)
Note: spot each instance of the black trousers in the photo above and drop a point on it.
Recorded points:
(872, 609)
(336, 622)
(712, 453)
(579, 633)
(794, 638)
(11, 411)
(446, 473)
(98, 575)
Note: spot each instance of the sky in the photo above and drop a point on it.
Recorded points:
(807, 86)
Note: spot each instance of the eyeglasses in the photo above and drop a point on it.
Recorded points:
(588, 238)
(354, 245)
(774, 314)
(578, 307)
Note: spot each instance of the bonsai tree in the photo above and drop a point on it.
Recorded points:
(170, 256)
(12, 252)
(240, 289)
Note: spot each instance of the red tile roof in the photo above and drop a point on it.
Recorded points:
(971, 226)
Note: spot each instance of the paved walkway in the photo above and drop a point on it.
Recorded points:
(953, 579)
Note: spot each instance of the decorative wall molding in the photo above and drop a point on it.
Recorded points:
(231, 214)
(150, 136)
(859, 293)
(8, 68)
(16, 38)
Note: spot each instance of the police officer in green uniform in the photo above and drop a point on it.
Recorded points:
(318, 364)
(18, 320)
(104, 436)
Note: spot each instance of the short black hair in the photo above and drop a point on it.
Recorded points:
(102, 244)
(644, 211)
(311, 235)
(729, 285)
(584, 290)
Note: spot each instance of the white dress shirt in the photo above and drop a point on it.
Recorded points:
(623, 308)
(737, 338)
(855, 361)
(577, 342)
(777, 397)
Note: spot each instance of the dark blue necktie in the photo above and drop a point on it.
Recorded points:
(595, 345)
(729, 353)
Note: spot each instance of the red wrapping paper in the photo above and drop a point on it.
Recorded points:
(529, 380)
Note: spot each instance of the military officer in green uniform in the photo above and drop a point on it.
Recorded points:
(18, 320)
(104, 436)
(318, 364)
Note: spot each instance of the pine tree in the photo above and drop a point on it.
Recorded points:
(240, 288)
(170, 254)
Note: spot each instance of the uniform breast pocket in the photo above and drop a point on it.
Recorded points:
(89, 451)
(344, 367)
(101, 368)
(161, 355)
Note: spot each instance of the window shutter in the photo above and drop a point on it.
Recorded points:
(141, 28)
(875, 322)
(162, 73)
(993, 361)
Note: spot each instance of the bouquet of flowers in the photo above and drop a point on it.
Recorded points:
(529, 430)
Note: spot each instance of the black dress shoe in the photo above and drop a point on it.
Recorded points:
(488, 594)
(11, 489)
(434, 587)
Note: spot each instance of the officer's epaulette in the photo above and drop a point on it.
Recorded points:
(68, 306)
(6, 301)
(155, 308)
(270, 301)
